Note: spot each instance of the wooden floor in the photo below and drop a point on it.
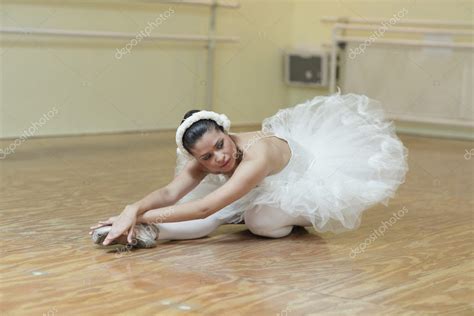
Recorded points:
(53, 189)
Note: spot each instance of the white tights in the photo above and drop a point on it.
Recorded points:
(261, 220)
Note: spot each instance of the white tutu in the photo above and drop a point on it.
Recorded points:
(346, 158)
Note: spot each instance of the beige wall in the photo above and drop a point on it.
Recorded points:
(86, 89)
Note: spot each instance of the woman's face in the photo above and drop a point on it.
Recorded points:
(215, 151)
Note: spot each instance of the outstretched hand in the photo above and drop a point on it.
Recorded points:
(107, 222)
(124, 222)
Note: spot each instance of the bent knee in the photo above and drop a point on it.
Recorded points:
(260, 223)
(272, 232)
(267, 230)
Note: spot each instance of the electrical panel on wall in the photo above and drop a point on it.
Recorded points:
(306, 68)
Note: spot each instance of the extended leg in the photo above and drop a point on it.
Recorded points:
(146, 234)
(272, 222)
(192, 229)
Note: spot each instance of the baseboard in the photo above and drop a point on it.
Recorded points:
(435, 130)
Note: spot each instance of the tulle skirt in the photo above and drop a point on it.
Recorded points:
(345, 159)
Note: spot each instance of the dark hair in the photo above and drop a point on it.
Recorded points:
(197, 129)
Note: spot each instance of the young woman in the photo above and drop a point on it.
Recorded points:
(320, 163)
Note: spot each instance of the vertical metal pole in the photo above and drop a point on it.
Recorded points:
(210, 58)
(332, 78)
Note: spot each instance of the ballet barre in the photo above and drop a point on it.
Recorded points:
(404, 29)
(211, 39)
(418, 22)
(224, 4)
(114, 35)
(454, 29)
(338, 38)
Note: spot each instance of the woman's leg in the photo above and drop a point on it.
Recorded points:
(272, 222)
(146, 234)
(192, 229)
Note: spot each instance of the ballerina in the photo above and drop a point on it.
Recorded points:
(320, 164)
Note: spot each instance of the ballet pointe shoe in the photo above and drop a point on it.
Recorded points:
(145, 236)
(99, 235)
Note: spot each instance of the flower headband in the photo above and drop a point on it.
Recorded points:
(220, 119)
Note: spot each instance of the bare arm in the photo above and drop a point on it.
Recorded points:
(247, 175)
(191, 175)
(183, 183)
